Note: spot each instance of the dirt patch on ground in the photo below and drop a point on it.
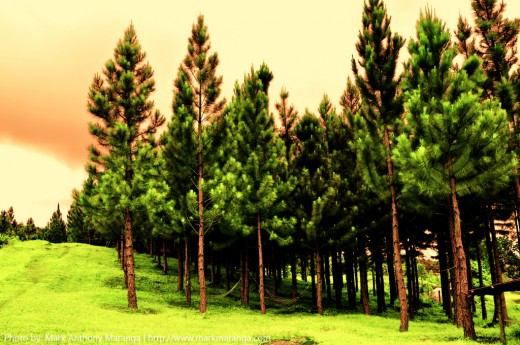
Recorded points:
(294, 341)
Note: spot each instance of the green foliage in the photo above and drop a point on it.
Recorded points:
(124, 169)
(8, 224)
(257, 161)
(56, 230)
(445, 120)
(28, 231)
(509, 257)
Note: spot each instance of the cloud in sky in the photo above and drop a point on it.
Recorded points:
(52, 49)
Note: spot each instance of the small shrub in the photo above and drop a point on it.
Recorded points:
(4, 239)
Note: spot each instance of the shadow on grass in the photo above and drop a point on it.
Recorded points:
(126, 310)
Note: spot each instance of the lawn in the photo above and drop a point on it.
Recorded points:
(72, 293)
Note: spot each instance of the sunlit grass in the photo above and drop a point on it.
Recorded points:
(76, 290)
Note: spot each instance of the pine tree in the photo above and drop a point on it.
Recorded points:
(196, 102)
(125, 116)
(77, 226)
(56, 230)
(288, 119)
(453, 144)
(378, 51)
(258, 155)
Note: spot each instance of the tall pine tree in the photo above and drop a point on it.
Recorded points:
(119, 100)
(375, 74)
(453, 144)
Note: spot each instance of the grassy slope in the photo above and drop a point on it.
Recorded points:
(75, 289)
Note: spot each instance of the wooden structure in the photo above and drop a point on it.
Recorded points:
(496, 289)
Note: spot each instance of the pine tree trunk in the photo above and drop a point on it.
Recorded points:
(228, 275)
(313, 278)
(444, 272)
(351, 285)
(391, 271)
(327, 275)
(380, 287)
(461, 277)
(187, 273)
(481, 281)
(498, 267)
(261, 287)
(409, 281)
(363, 277)
(303, 262)
(165, 257)
(201, 273)
(401, 289)
(129, 260)
(293, 275)
(319, 284)
(180, 271)
(337, 277)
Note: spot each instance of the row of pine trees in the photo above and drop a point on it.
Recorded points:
(425, 156)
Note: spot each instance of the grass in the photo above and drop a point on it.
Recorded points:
(72, 293)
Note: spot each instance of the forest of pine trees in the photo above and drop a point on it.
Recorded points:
(422, 153)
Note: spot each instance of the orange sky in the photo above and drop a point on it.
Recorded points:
(52, 49)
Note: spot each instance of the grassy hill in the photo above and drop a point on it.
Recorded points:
(72, 294)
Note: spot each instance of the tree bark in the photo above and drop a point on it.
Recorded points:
(327, 275)
(337, 276)
(363, 278)
(319, 285)
(261, 287)
(444, 272)
(401, 289)
(391, 271)
(351, 285)
(293, 275)
(187, 273)
(165, 257)
(461, 282)
(201, 273)
(180, 271)
(498, 266)
(129, 260)
(481, 281)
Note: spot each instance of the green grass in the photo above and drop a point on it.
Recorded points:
(65, 290)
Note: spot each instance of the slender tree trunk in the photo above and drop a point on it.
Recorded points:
(326, 258)
(319, 284)
(374, 289)
(409, 281)
(293, 275)
(129, 260)
(481, 281)
(337, 276)
(461, 283)
(444, 272)
(416, 275)
(351, 285)
(165, 257)
(391, 271)
(180, 270)
(201, 266)
(380, 287)
(261, 287)
(313, 278)
(363, 278)
(228, 274)
(498, 266)
(303, 262)
(187, 273)
(401, 289)
(517, 204)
